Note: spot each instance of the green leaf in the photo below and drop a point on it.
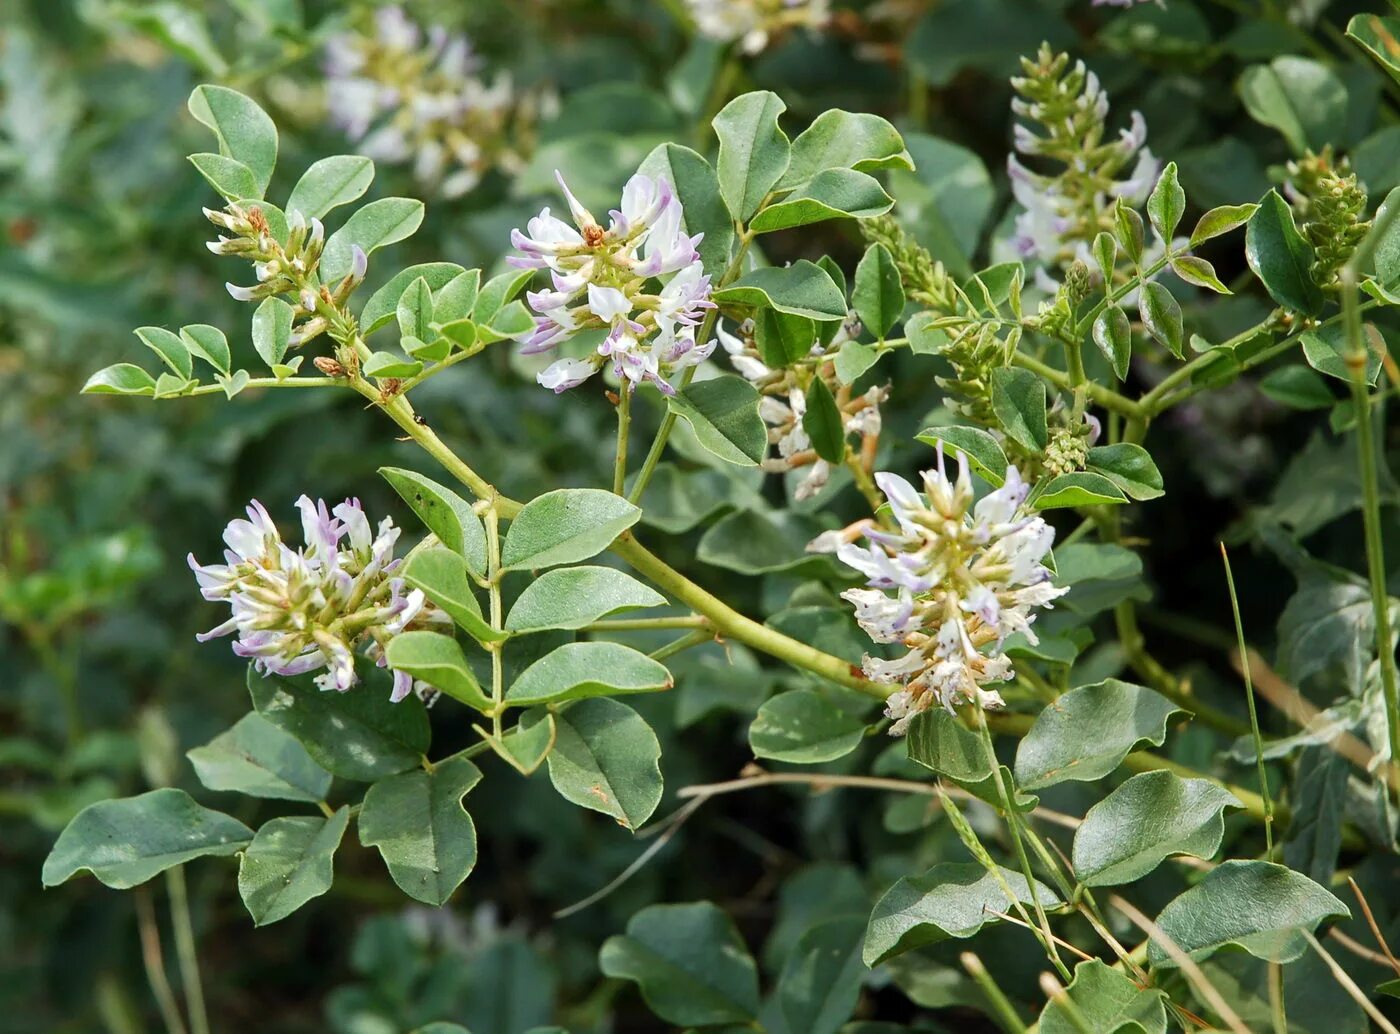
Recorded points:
(233, 383)
(437, 660)
(330, 183)
(1129, 467)
(1166, 204)
(288, 863)
(839, 139)
(723, 413)
(382, 306)
(605, 757)
(423, 832)
(1018, 400)
(1258, 906)
(1326, 351)
(1128, 229)
(208, 343)
(1198, 272)
(1106, 1001)
(1105, 250)
(821, 980)
(782, 339)
(803, 289)
(953, 899)
(593, 669)
(120, 379)
(1301, 98)
(760, 543)
(446, 514)
(824, 422)
(360, 734)
(703, 208)
(938, 741)
(1380, 37)
(1151, 816)
(230, 178)
(565, 526)
(831, 194)
(497, 293)
(127, 841)
(753, 151)
(878, 297)
(454, 301)
(245, 132)
(804, 727)
(573, 597)
(272, 329)
(1086, 733)
(1319, 802)
(1114, 336)
(853, 359)
(257, 758)
(444, 578)
(387, 364)
(1297, 387)
(690, 963)
(415, 311)
(1220, 221)
(1161, 315)
(169, 347)
(379, 223)
(980, 448)
(527, 745)
(1280, 258)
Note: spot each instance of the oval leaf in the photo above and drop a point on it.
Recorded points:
(446, 514)
(1280, 258)
(723, 413)
(438, 661)
(564, 526)
(288, 863)
(577, 670)
(576, 596)
(257, 758)
(804, 727)
(330, 183)
(605, 757)
(379, 223)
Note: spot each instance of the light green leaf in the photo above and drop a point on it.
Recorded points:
(839, 139)
(1199, 273)
(1161, 315)
(1326, 351)
(527, 745)
(703, 208)
(455, 300)
(803, 289)
(1258, 906)
(1108, 1002)
(387, 364)
(288, 863)
(1151, 816)
(981, 450)
(415, 311)
(831, 194)
(605, 757)
(1086, 733)
(953, 899)
(245, 132)
(120, 379)
(690, 963)
(330, 183)
(272, 329)
(360, 734)
(804, 727)
(573, 597)
(379, 223)
(1280, 258)
(444, 578)
(382, 306)
(565, 526)
(438, 661)
(230, 178)
(1129, 467)
(1080, 488)
(1301, 98)
(446, 514)
(753, 151)
(1018, 399)
(1222, 220)
(593, 669)
(853, 359)
(1166, 204)
(1114, 336)
(208, 343)
(169, 347)
(878, 297)
(127, 841)
(259, 759)
(423, 832)
(723, 413)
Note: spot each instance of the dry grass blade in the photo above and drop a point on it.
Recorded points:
(1375, 927)
(1349, 985)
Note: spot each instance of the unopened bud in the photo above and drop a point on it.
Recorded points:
(329, 366)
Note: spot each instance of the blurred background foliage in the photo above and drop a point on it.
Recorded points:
(104, 688)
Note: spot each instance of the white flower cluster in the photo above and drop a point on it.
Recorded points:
(407, 99)
(297, 611)
(784, 403)
(753, 22)
(601, 279)
(963, 579)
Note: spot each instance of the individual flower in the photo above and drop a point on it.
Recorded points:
(640, 279)
(783, 403)
(418, 100)
(301, 610)
(951, 581)
(754, 22)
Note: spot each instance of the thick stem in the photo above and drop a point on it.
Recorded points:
(624, 425)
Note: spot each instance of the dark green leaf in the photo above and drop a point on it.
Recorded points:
(803, 289)
(446, 514)
(1166, 204)
(288, 863)
(1018, 399)
(1129, 467)
(1280, 258)
(605, 757)
(753, 151)
(831, 194)
(824, 422)
(1161, 315)
(1114, 336)
(257, 758)
(878, 298)
(805, 727)
(723, 413)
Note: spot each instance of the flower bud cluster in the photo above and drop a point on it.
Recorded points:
(611, 279)
(753, 23)
(288, 268)
(302, 610)
(950, 582)
(422, 101)
(784, 403)
(1063, 212)
(1331, 207)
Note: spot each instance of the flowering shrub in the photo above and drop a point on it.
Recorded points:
(965, 590)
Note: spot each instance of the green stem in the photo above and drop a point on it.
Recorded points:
(1002, 1009)
(679, 621)
(1105, 397)
(186, 950)
(697, 638)
(624, 425)
(271, 382)
(1253, 713)
(493, 579)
